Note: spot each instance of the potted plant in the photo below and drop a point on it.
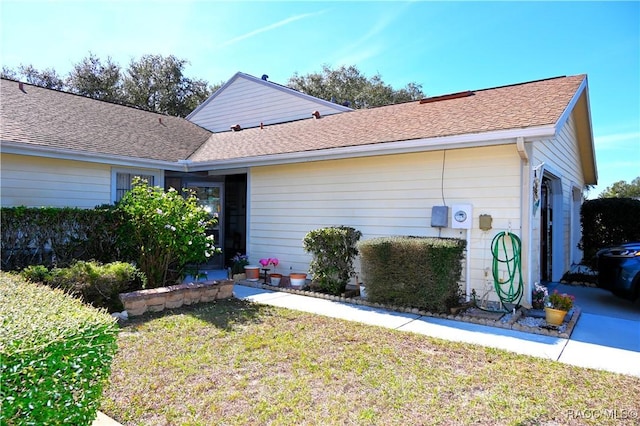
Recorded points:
(557, 307)
(239, 262)
(274, 277)
(297, 279)
(538, 296)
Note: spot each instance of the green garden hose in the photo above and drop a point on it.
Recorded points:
(506, 251)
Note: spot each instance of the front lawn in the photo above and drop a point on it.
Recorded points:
(238, 363)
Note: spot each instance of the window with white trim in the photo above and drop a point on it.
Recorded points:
(122, 180)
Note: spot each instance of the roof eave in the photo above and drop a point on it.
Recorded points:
(501, 137)
(18, 148)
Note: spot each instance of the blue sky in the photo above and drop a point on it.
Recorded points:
(446, 47)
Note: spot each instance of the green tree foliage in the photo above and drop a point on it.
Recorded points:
(622, 189)
(349, 86)
(90, 77)
(165, 231)
(48, 77)
(154, 82)
(158, 84)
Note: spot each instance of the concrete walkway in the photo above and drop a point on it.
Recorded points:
(602, 339)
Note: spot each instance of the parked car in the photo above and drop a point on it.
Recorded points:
(619, 270)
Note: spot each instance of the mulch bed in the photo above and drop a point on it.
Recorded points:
(521, 319)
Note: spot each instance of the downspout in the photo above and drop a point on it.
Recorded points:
(468, 267)
(525, 214)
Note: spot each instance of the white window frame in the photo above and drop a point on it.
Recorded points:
(158, 178)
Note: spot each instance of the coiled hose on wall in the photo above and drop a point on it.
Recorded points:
(506, 249)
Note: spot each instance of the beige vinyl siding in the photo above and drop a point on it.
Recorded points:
(562, 159)
(42, 182)
(380, 196)
(249, 103)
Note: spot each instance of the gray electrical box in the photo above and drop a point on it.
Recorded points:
(439, 216)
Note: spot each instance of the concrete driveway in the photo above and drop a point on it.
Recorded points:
(607, 335)
(600, 302)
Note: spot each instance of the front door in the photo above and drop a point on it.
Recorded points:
(210, 196)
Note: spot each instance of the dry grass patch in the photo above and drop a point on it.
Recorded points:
(237, 363)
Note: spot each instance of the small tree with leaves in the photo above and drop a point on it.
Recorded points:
(165, 230)
(95, 79)
(622, 189)
(349, 86)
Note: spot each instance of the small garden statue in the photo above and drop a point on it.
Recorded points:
(539, 295)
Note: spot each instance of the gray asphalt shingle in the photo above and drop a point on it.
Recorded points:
(55, 119)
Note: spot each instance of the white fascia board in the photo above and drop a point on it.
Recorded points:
(572, 103)
(502, 137)
(293, 92)
(9, 147)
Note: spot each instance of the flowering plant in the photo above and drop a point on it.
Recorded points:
(563, 302)
(269, 261)
(239, 262)
(164, 230)
(538, 296)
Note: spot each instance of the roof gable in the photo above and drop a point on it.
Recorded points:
(250, 101)
(49, 119)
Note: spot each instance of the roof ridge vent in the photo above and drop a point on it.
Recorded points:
(447, 97)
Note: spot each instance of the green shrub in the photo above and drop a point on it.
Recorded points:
(165, 230)
(94, 283)
(55, 355)
(413, 272)
(36, 274)
(608, 222)
(333, 250)
(57, 236)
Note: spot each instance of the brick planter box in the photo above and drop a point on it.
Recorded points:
(158, 299)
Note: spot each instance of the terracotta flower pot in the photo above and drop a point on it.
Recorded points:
(298, 280)
(554, 316)
(275, 279)
(252, 273)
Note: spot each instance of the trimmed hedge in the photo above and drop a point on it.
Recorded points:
(413, 272)
(55, 355)
(608, 222)
(57, 236)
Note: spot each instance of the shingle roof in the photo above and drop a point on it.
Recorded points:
(60, 120)
(520, 106)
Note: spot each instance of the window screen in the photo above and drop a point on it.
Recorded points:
(124, 181)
